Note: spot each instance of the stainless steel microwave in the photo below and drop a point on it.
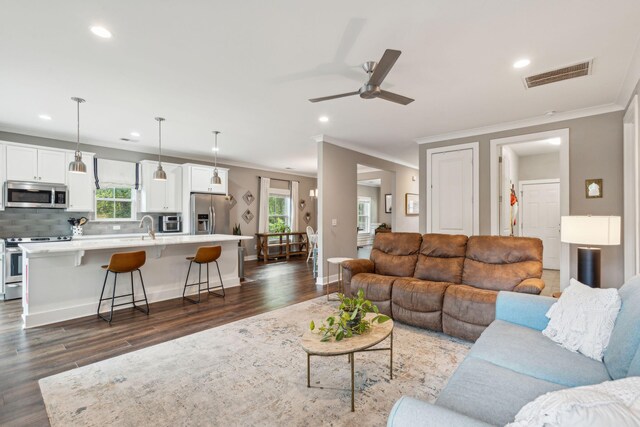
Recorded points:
(21, 194)
(170, 224)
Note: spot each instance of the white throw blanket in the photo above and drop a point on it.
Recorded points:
(611, 403)
(583, 318)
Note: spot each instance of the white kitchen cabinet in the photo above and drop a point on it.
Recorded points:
(52, 166)
(161, 196)
(33, 164)
(22, 163)
(81, 186)
(200, 177)
(3, 176)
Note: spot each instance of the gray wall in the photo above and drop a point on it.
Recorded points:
(539, 166)
(337, 183)
(595, 151)
(21, 222)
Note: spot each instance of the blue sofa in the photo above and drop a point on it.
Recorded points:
(512, 363)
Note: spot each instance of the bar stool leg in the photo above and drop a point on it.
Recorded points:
(144, 292)
(187, 285)
(199, 281)
(208, 289)
(104, 285)
(113, 297)
(220, 277)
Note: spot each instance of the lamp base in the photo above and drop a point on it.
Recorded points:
(589, 266)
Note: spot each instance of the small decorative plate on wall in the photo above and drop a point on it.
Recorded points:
(232, 201)
(247, 216)
(248, 197)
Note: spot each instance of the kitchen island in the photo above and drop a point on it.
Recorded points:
(63, 280)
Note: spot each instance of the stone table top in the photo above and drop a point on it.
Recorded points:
(377, 333)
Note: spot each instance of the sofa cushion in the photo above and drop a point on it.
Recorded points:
(395, 254)
(527, 351)
(441, 258)
(467, 311)
(625, 338)
(377, 289)
(418, 302)
(491, 393)
(501, 263)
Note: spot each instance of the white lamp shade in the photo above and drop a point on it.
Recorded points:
(590, 230)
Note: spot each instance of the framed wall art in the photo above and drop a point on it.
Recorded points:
(411, 204)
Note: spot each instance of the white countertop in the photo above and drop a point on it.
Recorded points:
(120, 236)
(125, 242)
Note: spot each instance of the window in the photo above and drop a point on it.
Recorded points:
(364, 215)
(114, 204)
(279, 211)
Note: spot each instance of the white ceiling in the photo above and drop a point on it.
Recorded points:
(247, 68)
(533, 148)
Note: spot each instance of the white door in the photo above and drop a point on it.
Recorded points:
(52, 166)
(451, 203)
(540, 207)
(22, 163)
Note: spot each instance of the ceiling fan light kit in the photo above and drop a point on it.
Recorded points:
(77, 165)
(377, 73)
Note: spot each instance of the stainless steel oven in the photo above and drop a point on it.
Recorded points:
(19, 194)
(170, 224)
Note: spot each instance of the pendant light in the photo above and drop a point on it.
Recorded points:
(159, 174)
(215, 179)
(77, 165)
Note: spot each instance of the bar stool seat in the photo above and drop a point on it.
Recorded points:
(124, 262)
(204, 255)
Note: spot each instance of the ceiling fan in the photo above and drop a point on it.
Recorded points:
(377, 73)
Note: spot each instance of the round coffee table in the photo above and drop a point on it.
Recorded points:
(358, 343)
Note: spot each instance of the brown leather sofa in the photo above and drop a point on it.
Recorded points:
(444, 282)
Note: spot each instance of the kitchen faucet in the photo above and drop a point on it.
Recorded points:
(150, 230)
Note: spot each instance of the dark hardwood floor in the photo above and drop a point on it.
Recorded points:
(28, 355)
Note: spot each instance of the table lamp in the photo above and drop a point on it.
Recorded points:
(590, 230)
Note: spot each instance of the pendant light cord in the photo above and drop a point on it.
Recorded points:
(78, 134)
(159, 142)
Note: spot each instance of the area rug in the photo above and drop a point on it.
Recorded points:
(251, 373)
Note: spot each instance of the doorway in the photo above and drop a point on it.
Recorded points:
(529, 193)
(373, 206)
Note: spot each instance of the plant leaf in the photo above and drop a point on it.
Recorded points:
(312, 325)
(340, 335)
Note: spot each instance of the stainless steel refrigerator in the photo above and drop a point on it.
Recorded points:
(209, 214)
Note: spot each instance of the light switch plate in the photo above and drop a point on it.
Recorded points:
(116, 227)
(334, 222)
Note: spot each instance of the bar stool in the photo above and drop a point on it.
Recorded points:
(204, 255)
(124, 262)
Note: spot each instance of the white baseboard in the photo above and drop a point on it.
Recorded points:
(58, 315)
(322, 280)
(250, 257)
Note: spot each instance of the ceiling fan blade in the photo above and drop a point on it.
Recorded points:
(384, 66)
(394, 97)
(326, 98)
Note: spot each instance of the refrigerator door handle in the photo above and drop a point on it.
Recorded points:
(194, 217)
(212, 215)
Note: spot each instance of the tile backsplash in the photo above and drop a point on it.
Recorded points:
(22, 222)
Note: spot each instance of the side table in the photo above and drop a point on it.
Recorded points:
(336, 261)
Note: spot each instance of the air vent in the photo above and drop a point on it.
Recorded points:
(564, 73)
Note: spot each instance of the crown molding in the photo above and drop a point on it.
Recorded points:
(369, 152)
(533, 121)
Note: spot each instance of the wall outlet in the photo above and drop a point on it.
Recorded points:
(116, 227)
(334, 222)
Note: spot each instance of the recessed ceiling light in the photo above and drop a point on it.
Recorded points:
(521, 63)
(101, 32)
(45, 116)
(135, 134)
(554, 141)
(323, 119)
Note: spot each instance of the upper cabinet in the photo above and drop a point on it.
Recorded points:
(199, 179)
(161, 196)
(34, 164)
(3, 175)
(81, 186)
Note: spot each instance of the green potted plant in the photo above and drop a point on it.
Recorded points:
(237, 232)
(350, 318)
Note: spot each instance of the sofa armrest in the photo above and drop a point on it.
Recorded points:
(412, 412)
(523, 309)
(352, 267)
(530, 286)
